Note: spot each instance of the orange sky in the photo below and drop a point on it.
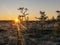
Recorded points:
(8, 8)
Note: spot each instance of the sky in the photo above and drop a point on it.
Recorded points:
(8, 8)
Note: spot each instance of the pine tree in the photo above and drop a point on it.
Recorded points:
(58, 19)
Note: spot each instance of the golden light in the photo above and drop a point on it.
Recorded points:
(17, 21)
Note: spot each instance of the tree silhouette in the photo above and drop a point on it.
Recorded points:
(42, 18)
(58, 19)
(53, 19)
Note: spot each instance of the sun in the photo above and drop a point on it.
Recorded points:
(17, 20)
